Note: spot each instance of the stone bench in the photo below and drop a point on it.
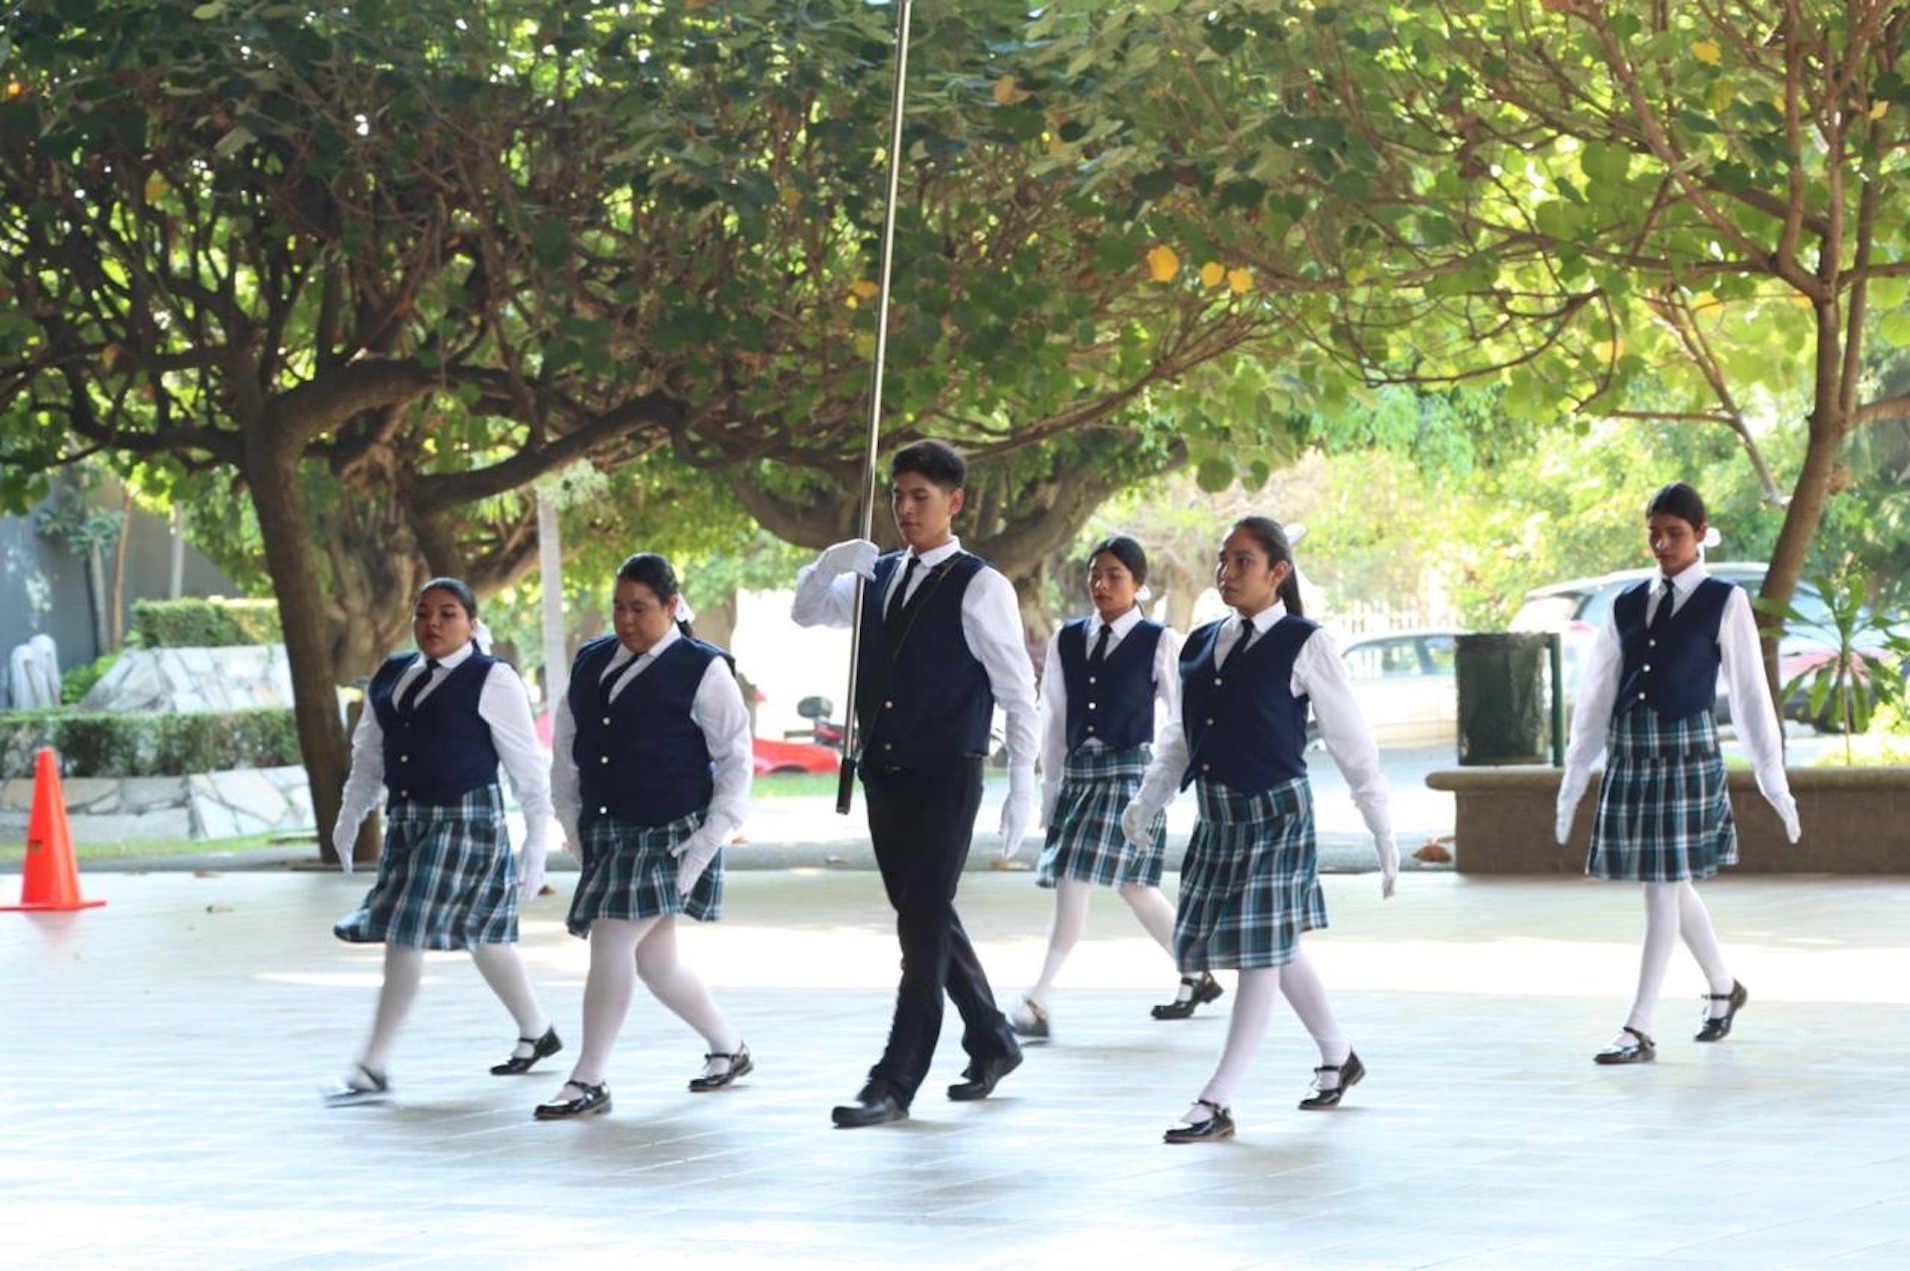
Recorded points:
(1856, 821)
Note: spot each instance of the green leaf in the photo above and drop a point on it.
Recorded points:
(1604, 162)
(1214, 475)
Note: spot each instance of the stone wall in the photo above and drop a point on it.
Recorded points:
(236, 678)
(1855, 821)
(207, 805)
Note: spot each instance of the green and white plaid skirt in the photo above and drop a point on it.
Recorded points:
(1084, 836)
(1251, 881)
(1664, 814)
(446, 879)
(629, 873)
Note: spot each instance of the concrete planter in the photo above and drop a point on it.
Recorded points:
(1856, 821)
(207, 805)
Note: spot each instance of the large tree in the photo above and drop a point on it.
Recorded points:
(382, 264)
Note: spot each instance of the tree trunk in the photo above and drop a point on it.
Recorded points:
(292, 563)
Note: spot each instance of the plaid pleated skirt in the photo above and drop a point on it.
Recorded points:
(1664, 814)
(1251, 881)
(1084, 836)
(446, 879)
(629, 873)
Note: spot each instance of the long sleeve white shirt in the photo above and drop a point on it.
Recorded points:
(1319, 674)
(991, 628)
(1054, 696)
(503, 704)
(717, 710)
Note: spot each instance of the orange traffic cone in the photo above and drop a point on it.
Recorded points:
(50, 880)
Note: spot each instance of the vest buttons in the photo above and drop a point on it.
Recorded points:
(1093, 680)
(1641, 697)
(1090, 727)
(1647, 667)
(1091, 705)
(404, 794)
(1206, 767)
(888, 706)
(604, 759)
(606, 721)
(1651, 642)
(1216, 681)
(1210, 721)
(603, 811)
(888, 745)
(404, 758)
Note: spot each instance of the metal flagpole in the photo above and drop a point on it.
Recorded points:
(845, 785)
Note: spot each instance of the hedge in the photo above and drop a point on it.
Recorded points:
(148, 744)
(206, 623)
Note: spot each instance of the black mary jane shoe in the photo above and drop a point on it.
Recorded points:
(594, 1101)
(740, 1064)
(1641, 1050)
(1205, 989)
(541, 1048)
(1209, 1130)
(1717, 1028)
(1329, 1096)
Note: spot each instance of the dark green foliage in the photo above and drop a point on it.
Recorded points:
(206, 623)
(148, 744)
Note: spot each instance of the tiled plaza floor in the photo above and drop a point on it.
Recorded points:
(157, 1104)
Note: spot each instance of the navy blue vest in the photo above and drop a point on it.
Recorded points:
(1244, 727)
(923, 700)
(1114, 703)
(1676, 674)
(440, 750)
(641, 758)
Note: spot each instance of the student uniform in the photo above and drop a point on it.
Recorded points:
(648, 748)
(432, 739)
(1098, 724)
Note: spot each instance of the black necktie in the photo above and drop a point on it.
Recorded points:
(899, 597)
(1662, 615)
(1100, 646)
(611, 678)
(409, 697)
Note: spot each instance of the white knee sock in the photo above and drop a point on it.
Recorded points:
(1154, 911)
(608, 988)
(1661, 935)
(1064, 932)
(1694, 924)
(680, 989)
(1253, 1007)
(404, 970)
(1300, 985)
(502, 967)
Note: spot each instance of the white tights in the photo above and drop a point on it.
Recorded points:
(1071, 895)
(502, 968)
(1300, 984)
(1673, 910)
(622, 950)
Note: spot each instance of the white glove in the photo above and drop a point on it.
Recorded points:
(1793, 830)
(694, 855)
(1134, 821)
(1563, 830)
(1018, 812)
(1388, 865)
(345, 840)
(530, 870)
(857, 556)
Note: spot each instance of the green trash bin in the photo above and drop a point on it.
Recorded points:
(1503, 703)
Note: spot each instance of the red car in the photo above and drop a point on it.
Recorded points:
(793, 756)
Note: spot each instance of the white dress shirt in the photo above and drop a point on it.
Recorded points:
(504, 704)
(1054, 696)
(1743, 667)
(991, 627)
(1319, 675)
(717, 710)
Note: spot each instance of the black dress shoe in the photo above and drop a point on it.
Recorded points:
(1641, 1050)
(541, 1048)
(1208, 1130)
(594, 1101)
(981, 1076)
(740, 1065)
(1717, 1028)
(1205, 989)
(1350, 1073)
(871, 1107)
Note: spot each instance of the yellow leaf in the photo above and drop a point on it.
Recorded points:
(1162, 263)
(1212, 273)
(1708, 52)
(864, 288)
(109, 355)
(1879, 110)
(852, 302)
(1056, 146)
(789, 196)
(15, 89)
(1241, 280)
(1009, 92)
(156, 188)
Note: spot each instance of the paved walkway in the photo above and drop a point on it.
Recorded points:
(157, 1098)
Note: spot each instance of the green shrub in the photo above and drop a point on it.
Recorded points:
(148, 744)
(206, 623)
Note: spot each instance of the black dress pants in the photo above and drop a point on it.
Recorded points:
(921, 825)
